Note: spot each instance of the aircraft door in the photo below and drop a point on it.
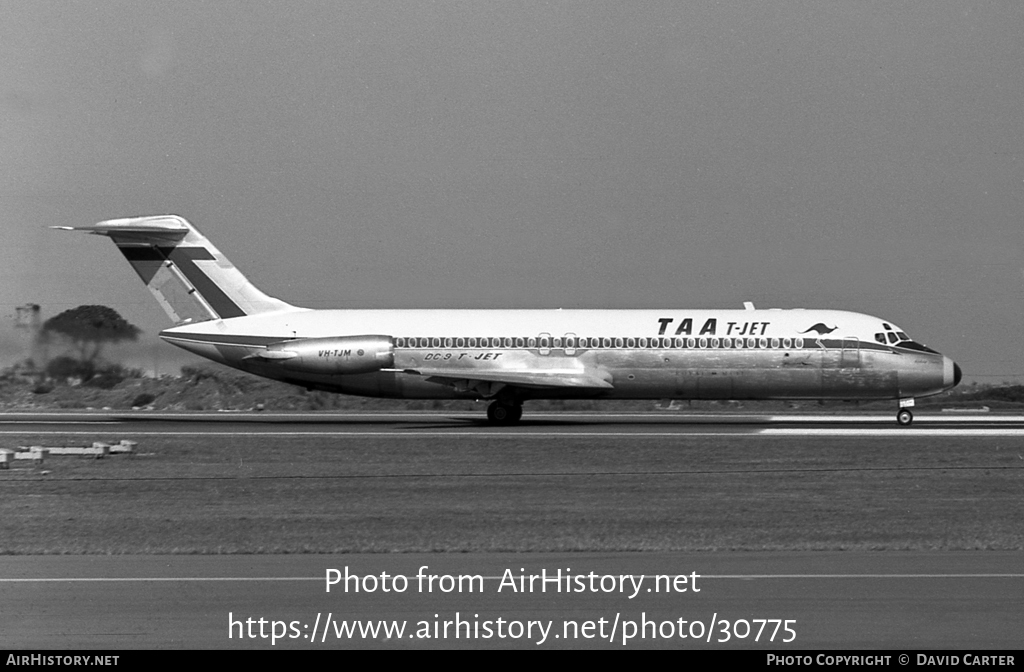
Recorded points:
(544, 343)
(850, 357)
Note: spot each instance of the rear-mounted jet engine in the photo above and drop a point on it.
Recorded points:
(336, 355)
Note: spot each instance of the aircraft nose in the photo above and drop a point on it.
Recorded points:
(951, 373)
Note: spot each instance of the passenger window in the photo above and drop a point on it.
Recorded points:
(435, 342)
(787, 343)
(751, 343)
(799, 343)
(472, 342)
(520, 342)
(691, 342)
(630, 342)
(715, 343)
(618, 342)
(531, 342)
(556, 342)
(508, 341)
(775, 343)
(762, 343)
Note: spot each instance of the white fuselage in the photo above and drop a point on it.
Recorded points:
(632, 354)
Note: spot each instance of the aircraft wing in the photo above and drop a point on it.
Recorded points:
(520, 378)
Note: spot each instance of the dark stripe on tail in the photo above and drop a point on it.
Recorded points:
(147, 260)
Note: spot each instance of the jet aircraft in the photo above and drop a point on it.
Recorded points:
(512, 356)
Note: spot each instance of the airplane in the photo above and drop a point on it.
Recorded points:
(512, 356)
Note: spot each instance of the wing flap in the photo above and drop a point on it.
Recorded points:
(522, 378)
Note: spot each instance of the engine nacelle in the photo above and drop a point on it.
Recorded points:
(335, 355)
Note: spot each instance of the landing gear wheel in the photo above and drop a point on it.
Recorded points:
(904, 417)
(499, 413)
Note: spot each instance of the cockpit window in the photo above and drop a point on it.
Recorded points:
(911, 345)
(900, 338)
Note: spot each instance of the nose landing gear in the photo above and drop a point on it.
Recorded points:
(504, 413)
(905, 417)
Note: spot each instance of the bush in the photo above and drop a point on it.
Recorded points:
(65, 367)
(144, 399)
(1007, 393)
(106, 378)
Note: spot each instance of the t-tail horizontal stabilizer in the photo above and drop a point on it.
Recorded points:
(186, 273)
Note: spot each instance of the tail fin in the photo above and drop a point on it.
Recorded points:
(190, 278)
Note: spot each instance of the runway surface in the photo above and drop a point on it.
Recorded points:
(962, 600)
(439, 424)
(772, 601)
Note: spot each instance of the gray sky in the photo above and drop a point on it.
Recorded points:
(866, 156)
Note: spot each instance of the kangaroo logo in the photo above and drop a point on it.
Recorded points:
(821, 329)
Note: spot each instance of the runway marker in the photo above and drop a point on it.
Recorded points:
(894, 431)
(59, 422)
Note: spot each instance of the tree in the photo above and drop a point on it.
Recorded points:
(89, 328)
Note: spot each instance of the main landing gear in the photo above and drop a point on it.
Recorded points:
(504, 413)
